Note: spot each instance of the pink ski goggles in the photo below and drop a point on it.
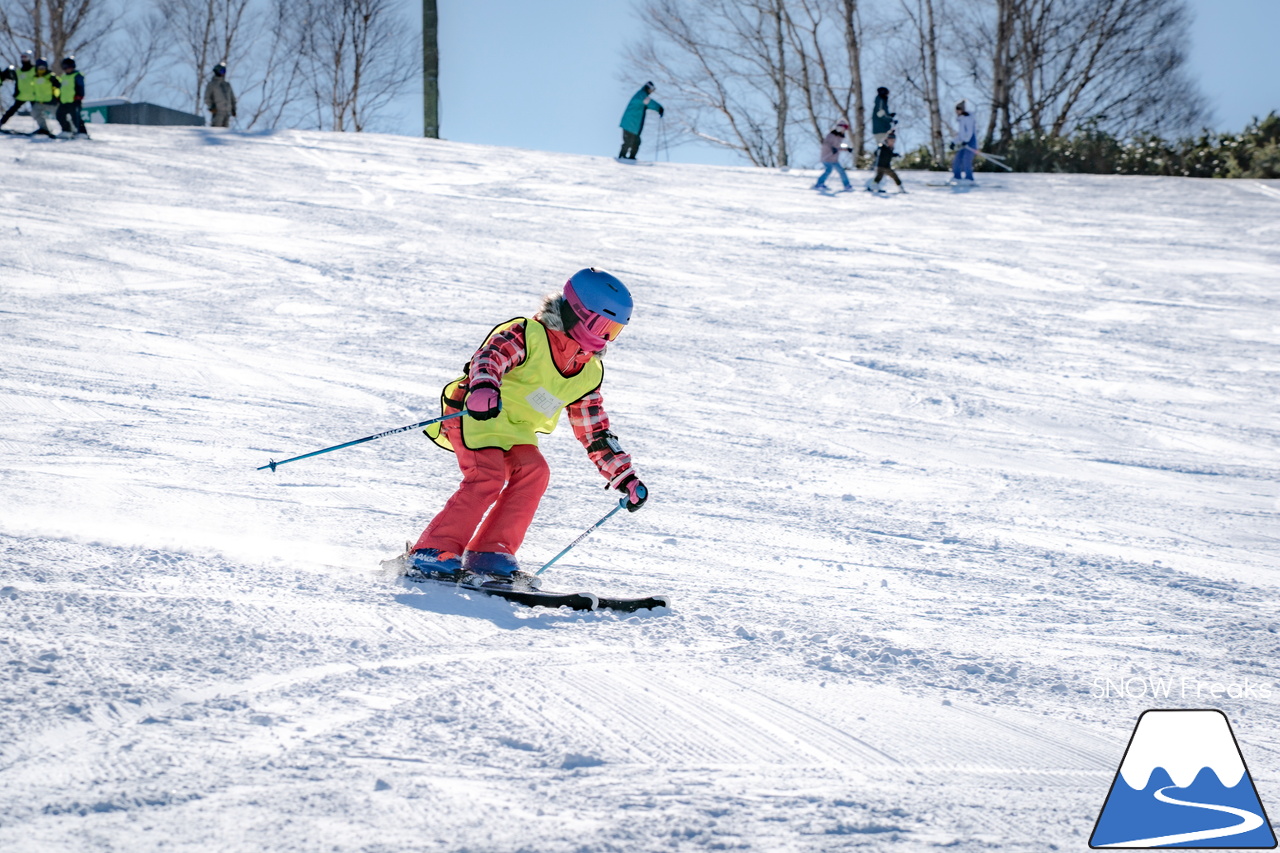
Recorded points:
(593, 330)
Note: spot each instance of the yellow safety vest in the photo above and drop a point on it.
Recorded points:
(534, 393)
(42, 89)
(67, 87)
(25, 79)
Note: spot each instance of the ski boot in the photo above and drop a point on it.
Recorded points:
(496, 569)
(433, 563)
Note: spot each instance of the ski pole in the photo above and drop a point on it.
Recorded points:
(585, 534)
(274, 464)
(999, 161)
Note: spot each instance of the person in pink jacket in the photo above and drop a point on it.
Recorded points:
(527, 371)
(832, 145)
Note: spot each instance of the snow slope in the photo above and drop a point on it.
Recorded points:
(930, 473)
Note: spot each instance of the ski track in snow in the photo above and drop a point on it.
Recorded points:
(921, 472)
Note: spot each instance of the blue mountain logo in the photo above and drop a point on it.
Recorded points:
(1183, 783)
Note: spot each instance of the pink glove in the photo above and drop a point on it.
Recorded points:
(637, 494)
(484, 402)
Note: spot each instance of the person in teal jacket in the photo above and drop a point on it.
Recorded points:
(633, 120)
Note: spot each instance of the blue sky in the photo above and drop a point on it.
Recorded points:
(546, 75)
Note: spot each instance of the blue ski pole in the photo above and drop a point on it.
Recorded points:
(274, 464)
(585, 534)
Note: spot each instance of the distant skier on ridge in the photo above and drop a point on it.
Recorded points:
(882, 121)
(965, 144)
(633, 121)
(22, 78)
(220, 98)
(884, 164)
(525, 374)
(832, 145)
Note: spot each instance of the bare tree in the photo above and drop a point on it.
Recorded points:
(1117, 62)
(921, 76)
(354, 57)
(748, 75)
(54, 28)
(826, 41)
(203, 33)
(1001, 72)
(273, 86)
(851, 25)
(725, 62)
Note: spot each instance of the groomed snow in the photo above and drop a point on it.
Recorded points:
(930, 474)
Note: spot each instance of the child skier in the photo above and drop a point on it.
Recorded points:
(884, 159)
(965, 144)
(832, 145)
(527, 371)
(70, 97)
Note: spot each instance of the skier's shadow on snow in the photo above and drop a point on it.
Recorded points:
(503, 614)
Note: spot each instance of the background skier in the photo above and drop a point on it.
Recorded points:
(881, 118)
(633, 120)
(527, 371)
(70, 97)
(884, 160)
(220, 98)
(965, 144)
(22, 78)
(832, 145)
(42, 91)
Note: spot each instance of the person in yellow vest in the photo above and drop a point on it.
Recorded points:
(21, 78)
(70, 96)
(42, 96)
(526, 373)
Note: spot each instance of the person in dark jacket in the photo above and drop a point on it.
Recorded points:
(633, 120)
(220, 98)
(70, 97)
(21, 78)
(881, 119)
(884, 161)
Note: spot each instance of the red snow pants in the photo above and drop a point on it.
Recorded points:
(510, 481)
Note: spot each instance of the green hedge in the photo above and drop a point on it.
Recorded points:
(1254, 153)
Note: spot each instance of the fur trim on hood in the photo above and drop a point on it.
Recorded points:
(549, 315)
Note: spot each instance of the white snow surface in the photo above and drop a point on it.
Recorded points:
(928, 474)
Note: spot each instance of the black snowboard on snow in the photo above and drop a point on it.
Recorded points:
(544, 598)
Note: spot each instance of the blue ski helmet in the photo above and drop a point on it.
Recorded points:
(601, 306)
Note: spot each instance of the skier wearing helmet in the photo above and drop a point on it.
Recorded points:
(525, 374)
(22, 78)
(43, 92)
(219, 97)
(70, 96)
(832, 145)
(965, 144)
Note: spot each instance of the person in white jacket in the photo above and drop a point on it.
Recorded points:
(965, 144)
